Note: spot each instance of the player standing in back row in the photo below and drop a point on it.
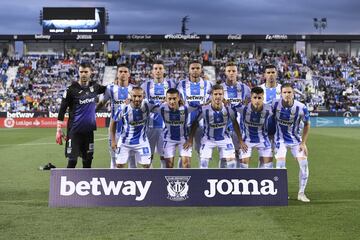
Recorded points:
(195, 90)
(236, 93)
(155, 92)
(117, 93)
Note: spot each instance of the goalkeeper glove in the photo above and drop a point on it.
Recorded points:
(59, 133)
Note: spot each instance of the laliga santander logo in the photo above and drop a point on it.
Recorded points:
(36, 122)
(9, 122)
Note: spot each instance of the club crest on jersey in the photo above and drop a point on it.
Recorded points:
(177, 187)
(91, 89)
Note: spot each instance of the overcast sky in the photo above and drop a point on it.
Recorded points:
(206, 16)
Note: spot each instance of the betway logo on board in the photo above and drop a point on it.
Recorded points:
(40, 36)
(99, 187)
(19, 115)
(240, 187)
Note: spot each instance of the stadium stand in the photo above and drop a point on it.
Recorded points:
(328, 82)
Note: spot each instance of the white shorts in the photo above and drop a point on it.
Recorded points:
(113, 156)
(225, 147)
(142, 153)
(155, 137)
(281, 149)
(264, 151)
(169, 149)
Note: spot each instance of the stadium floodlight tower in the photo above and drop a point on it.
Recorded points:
(320, 24)
(184, 22)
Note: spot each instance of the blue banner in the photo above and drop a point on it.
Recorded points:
(168, 187)
(335, 121)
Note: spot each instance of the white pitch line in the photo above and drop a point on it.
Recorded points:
(35, 144)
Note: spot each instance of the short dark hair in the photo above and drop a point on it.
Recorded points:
(285, 85)
(122, 65)
(138, 88)
(159, 61)
(269, 66)
(257, 90)
(231, 64)
(216, 87)
(172, 91)
(194, 61)
(86, 64)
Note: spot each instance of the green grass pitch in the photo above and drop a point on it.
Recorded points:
(334, 190)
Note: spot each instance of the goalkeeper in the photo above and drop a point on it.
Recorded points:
(80, 98)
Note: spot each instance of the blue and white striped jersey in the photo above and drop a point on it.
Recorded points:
(254, 125)
(156, 92)
(236, 94)
(271, 93)
(117, 96)
(176, 128)
(134, 123)
(288, 121)
(216, 122)
(197, 92)
(194, 92)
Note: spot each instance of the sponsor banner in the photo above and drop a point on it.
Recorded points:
(168, 187)
(335, 121)
(43, 114)
(61, 35)
(182, 37)
(38, 122)
(107, 114)
(138, 37)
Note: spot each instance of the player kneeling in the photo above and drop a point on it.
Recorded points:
(216, 134)
(175, 116)
(133, 139)
(254, 120)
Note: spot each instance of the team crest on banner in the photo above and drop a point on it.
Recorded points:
(177, 187)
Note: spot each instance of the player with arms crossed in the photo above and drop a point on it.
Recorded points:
(215, 133)
(117, 93)
(254, 120)
(272, 91)
(195, 90)
(80, 98)
(289, 113)
(155, 92)
(133, 139)
(235, 93)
